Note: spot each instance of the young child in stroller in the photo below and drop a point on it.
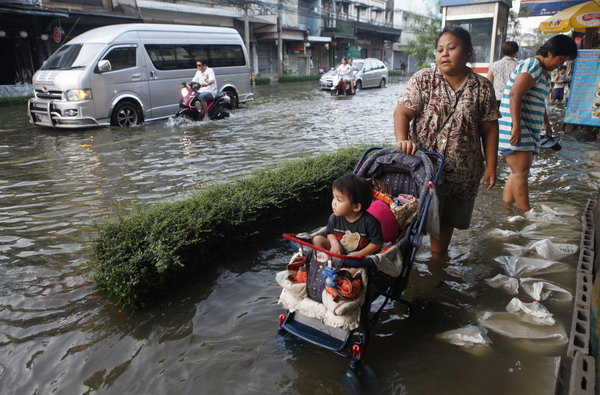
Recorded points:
(351, 229)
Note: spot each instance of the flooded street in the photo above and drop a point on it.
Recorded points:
(217, 333)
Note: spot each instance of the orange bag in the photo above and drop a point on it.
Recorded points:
(346, 287)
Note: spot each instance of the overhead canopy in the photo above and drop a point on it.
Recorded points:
(578, 17)
(546, 7)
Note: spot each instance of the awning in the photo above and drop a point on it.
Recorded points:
(319, 39)
(546, 7)
(41, 12)
(189, 9)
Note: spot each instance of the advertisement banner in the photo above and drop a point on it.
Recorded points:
(545, 7)
(584, 98)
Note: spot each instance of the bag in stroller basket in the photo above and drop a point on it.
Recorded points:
(328, 307)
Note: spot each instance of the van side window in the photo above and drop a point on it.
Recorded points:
(170, 56)
(183, 56)
(121, 58)
(226, 55)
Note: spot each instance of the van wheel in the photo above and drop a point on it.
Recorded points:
(382, 83)
(125, 115)
(235, 103)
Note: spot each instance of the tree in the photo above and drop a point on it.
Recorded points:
(426, 29)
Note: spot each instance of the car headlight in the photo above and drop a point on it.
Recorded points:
(79, 94)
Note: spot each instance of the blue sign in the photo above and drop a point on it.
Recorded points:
(584, 95)
(547, 7)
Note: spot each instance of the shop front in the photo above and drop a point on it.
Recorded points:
(486, 21)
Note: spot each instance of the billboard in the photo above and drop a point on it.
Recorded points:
(545, 7)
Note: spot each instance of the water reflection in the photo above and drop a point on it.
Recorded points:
(218, 330)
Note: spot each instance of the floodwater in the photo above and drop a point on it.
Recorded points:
(217, 333)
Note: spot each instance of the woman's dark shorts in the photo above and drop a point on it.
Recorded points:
(456, 212)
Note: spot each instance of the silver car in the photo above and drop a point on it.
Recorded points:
(372, 73)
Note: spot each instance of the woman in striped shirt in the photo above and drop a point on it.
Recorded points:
(523, 110)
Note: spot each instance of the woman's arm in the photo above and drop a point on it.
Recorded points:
(402, 118)
(523, 83)
(489, 136)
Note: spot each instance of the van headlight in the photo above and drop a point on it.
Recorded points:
(79, 94)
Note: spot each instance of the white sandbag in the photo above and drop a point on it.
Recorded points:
(510, 325)
(509, 284)
(529, 232)
(533, 312)
(518, 266)
(544, 248)
(467, 336)
(516, 218)
(541, 290)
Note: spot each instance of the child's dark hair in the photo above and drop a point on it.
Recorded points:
(559, 45)
(509, 48)
(563, 67)
(463, 36)
(356, 188)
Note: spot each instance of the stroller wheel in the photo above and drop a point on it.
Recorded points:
(361, 379)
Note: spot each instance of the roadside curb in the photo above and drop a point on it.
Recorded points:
(576, 371)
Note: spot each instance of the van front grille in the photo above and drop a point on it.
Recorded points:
(56, 95)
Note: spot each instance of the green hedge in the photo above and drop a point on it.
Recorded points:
(138, 256)
(297, 78)
(11, 101)
(262, 80)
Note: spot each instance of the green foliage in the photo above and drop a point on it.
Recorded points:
(12, 101)
(297, 78)
(262, 80)
(426, 29)
(138, 256)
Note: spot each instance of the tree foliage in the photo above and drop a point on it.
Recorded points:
(426, 29)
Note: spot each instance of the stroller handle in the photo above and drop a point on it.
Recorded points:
(357, 261)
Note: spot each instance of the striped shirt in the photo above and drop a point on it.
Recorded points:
(533, 107)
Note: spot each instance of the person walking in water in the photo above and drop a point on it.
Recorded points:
(451, 110)
(500, 70)
(523, 110)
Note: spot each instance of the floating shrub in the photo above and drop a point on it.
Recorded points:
(139, 255)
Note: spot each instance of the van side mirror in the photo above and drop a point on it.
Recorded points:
(104, 66)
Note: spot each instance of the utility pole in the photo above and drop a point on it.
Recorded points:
(247, 32)
(279, 39)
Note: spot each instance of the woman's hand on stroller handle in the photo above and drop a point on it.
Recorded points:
(407, 146)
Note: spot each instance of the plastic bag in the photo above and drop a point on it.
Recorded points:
(536, 288)
(467, 336)
(433, 215)
(518, 266)
(512, 326)
(545, 248)
(533, 312)
(540, 289)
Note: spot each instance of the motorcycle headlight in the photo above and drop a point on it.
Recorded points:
(184, 92)
(79, 94)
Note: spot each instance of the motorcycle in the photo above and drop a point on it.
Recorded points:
(218, 108)
(337, 89)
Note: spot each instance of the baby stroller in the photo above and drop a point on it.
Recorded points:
(345, 326)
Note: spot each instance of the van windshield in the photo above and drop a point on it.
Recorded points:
(74, 56)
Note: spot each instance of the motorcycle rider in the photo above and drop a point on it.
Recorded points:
(343, 71)
(353, 71)
(205, 76)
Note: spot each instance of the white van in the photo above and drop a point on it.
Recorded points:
(122, 75)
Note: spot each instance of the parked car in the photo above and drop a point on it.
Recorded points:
(372, 73)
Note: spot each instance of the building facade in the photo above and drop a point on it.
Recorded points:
(283, 36)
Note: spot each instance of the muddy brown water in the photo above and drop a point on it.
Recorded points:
(217, 333)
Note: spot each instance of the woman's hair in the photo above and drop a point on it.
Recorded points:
(463, 36)
(356, 188)
(559, 45)
(510, 48)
